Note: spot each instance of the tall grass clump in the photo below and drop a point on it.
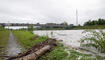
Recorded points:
(95, 39)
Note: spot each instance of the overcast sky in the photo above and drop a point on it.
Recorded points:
(50, 11)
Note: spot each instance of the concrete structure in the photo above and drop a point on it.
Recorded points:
(47, 25)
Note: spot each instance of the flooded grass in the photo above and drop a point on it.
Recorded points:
(74, 55)
(78, 56)
(63, 53)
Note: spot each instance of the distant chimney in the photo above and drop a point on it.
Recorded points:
(76, 17)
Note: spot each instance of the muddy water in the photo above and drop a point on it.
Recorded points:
(13, 48)
(69, 37)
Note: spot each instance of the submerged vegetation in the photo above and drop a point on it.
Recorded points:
(64, 53)
(96, 39)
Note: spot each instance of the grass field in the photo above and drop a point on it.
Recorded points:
(25, 38)
(4, 37)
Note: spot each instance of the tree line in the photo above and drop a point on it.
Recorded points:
(95, 22)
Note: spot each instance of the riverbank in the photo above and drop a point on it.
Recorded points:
(27, 39)
(88, 27)
(72, 28)
(61, 52)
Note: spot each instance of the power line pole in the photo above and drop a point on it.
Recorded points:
(76, 17)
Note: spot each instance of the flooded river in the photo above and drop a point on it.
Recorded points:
(69, 37)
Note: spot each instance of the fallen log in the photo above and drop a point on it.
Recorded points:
(36, 51)
(36, 54)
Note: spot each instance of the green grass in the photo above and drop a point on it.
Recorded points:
(57, 54)
(4, 37)
(25, 38)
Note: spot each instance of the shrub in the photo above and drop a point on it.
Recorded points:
(94, 38)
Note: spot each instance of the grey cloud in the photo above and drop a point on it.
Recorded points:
(44, 11)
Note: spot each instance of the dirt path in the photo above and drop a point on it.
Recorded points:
(13, 48)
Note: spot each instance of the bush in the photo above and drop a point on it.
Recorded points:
(95, 38)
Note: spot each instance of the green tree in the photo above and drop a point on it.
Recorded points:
(95, 22)
(101, 21)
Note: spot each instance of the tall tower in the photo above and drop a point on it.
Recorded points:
(76, 17)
